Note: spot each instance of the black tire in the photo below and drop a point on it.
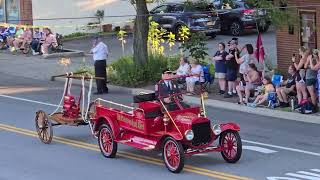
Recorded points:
(238, 142)
(170, 141)
(236, 29)
(43, 127)
(213, 35)
(114, 145)
(263, 28)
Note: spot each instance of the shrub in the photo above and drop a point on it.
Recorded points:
(76, 34)
(125, 72)
(196, 46)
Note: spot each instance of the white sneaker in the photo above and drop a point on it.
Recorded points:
(35, 53)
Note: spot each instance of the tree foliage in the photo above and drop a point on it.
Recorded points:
(196, 46)
(278, 16)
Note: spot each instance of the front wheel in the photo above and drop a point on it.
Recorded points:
(108, 146)
(231, 143)
(236, 29)
(173, 155)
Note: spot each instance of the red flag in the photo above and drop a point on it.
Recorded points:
(259, 49)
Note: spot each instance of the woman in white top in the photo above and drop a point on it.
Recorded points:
(184, 67)
(196, 75)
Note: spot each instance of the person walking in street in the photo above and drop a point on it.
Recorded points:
(100, 55)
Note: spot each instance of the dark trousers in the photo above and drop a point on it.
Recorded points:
(35, 45)
(100, 71)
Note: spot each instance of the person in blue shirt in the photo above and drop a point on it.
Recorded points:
(220, 66)
(38, 38)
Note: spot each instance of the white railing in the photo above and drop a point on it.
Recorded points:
(119, 105)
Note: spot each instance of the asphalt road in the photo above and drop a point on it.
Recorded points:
(274, 149)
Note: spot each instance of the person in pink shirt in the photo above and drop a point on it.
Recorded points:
(50, 40)
(26, 37)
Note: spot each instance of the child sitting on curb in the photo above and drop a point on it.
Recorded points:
(268, 88)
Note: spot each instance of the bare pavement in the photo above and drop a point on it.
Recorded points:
(274, 148)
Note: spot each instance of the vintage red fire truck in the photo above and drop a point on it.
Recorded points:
(153, 124)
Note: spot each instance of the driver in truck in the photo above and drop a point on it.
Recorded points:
(166, 88)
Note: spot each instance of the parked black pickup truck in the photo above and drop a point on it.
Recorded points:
(172, 16)
(239, 16)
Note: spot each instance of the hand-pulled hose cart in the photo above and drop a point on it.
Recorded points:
(69, 111)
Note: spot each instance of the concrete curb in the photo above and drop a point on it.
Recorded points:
(258, 111)
(234, 107)
(72, 53)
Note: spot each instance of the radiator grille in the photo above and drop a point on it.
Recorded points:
(202, 132)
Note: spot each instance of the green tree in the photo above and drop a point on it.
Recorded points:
(279, 17)
(196, 46)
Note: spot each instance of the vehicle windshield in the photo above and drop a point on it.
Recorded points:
(199, 8)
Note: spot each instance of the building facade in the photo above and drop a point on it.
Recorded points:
(67, 16)
(305, 32)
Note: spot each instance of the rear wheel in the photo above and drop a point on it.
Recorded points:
(236, 28)
(173, 155)
(43, 127)
(108, 146)
(231, 143)
(212, 35)
(263, 28)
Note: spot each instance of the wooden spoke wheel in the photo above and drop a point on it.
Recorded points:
(231, 143)
(26, 49)
(108, 146)
(44, 127)
(173, 155)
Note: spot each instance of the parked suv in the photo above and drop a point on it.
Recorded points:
(173, 16)
(239, 16)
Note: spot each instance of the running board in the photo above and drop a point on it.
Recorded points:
(140, 143)
(191, 152)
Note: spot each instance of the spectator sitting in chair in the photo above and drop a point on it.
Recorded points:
(252, 79)
(196, 76)
(38, 36)
(268, 88)
(20, 42)
(49, 41)
(288, 88)
(183, 68)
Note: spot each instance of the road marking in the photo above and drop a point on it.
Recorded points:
(299, 174)
(247, 141)
(284, 148)
(29, 100)
(259, 149)
(88, 146)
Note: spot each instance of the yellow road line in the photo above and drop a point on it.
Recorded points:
(88, 146)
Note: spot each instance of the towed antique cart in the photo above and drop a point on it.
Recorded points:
(179, 130)
(70, 111)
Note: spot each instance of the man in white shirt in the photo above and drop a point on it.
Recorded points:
(100, 55)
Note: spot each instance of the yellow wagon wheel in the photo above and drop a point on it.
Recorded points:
(44, 127)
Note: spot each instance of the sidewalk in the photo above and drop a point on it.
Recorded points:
(37, 68)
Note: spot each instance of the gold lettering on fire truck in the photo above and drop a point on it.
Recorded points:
(132, 122)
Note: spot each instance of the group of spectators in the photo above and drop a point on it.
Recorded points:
(193, 73)
(16, 38)
(240, 74)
